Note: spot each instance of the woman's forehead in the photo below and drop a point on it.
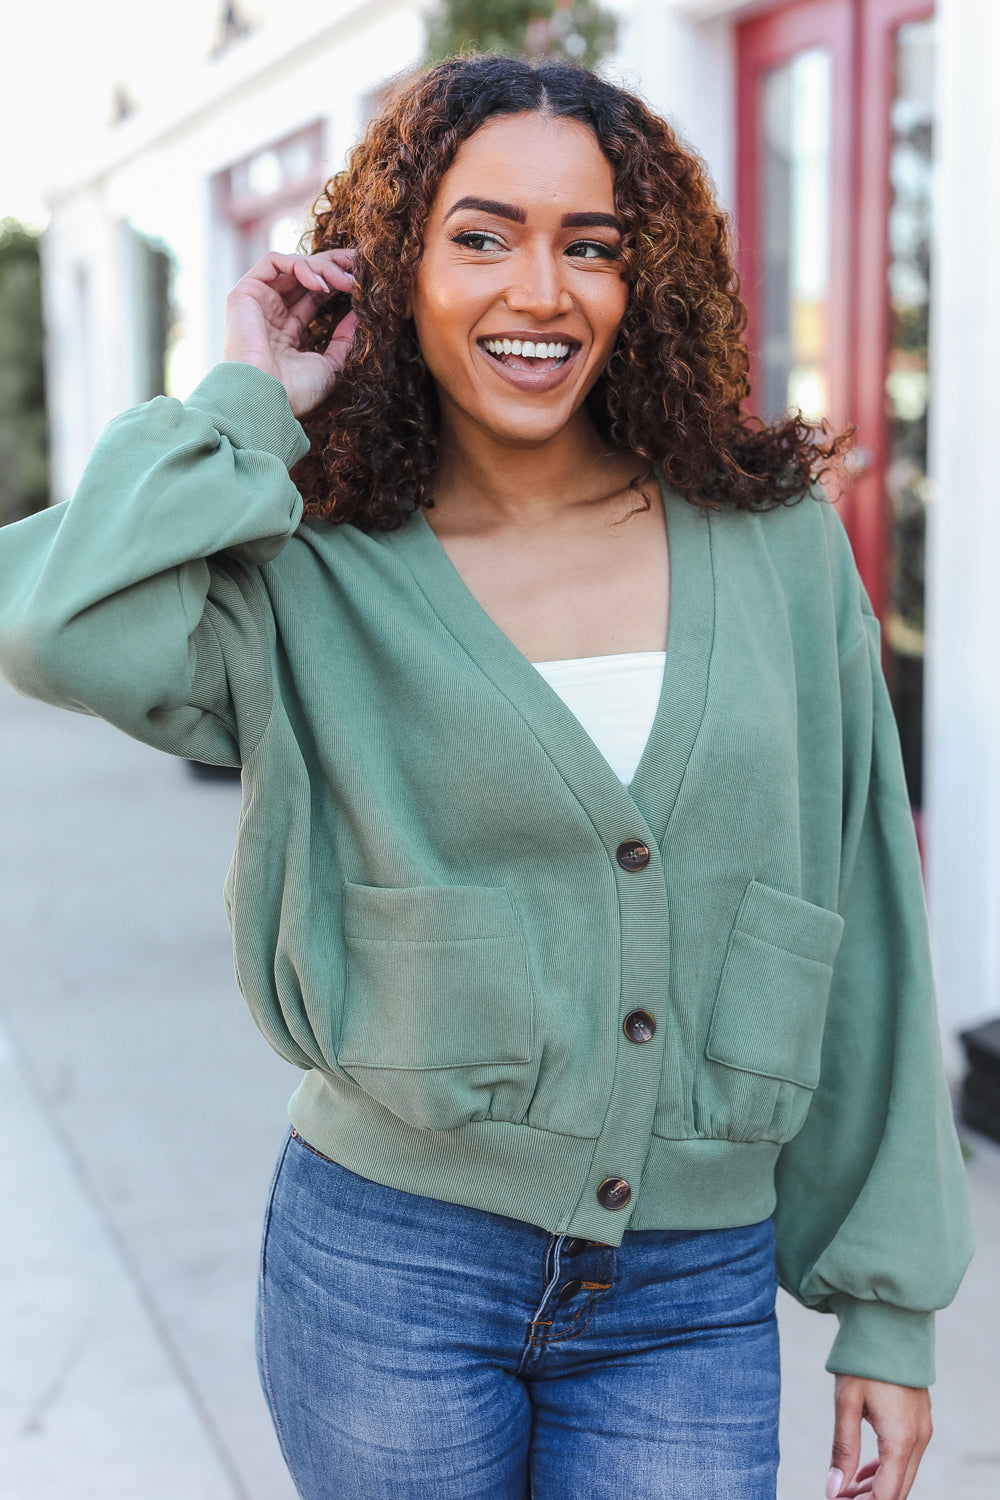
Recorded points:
(535, 157)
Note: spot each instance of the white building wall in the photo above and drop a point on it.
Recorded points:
(87, 336)
(155, 175)
(680, 58)
(963, 600)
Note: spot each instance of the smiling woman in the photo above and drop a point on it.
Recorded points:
(576, 869)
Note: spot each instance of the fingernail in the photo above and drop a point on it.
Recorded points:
(834, 1484)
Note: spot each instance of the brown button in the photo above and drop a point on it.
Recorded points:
(569, 1290)
(573, 1247)
(639, 1026)
(613, 1193)
(632, 855)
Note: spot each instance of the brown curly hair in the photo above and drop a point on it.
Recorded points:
(673, 386)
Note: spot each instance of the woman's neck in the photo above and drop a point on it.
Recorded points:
(483, 482)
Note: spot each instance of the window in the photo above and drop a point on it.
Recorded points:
(265, 198)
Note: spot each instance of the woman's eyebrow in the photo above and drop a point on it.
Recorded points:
(519, 216)
(590, 221)
(490, 206)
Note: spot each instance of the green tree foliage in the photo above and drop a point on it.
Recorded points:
(577, 31)
(24, 475)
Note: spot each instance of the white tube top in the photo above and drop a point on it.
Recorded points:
(614, 698)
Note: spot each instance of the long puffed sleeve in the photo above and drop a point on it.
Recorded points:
(139, 599)
(872, 1220)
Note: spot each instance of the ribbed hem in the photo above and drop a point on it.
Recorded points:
(882, 1342)
(533, 1175)
(250, 409)
(706, 1184)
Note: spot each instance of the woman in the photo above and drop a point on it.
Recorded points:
(596, 1026)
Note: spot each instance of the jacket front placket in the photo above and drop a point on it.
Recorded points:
(599, 1207)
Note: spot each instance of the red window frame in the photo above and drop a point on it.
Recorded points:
(249, 214)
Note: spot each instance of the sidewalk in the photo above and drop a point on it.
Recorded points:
(128, 1241)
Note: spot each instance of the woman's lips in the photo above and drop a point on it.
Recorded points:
(528, 372)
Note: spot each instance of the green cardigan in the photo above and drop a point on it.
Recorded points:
(431, 908)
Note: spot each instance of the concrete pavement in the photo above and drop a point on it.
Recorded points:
(131, 1204)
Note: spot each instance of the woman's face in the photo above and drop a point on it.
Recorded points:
(521, 247)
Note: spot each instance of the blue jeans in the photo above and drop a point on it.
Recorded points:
(417, 1350)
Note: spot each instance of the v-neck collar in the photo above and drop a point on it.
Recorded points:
(653, 790)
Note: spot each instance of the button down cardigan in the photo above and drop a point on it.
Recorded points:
(429, 911)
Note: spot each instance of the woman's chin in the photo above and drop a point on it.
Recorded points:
(531, 431)
(517, 422)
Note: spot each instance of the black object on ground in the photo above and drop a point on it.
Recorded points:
(979, 1105)
(204, 772)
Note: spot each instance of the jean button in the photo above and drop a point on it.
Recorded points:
(569, 1290)
(613, 1193)
(574, 1247)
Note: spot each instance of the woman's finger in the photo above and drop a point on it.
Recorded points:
(339, 344)
(323, 283)
(285, 273)
(342, 256)
(892, 1466)
(289, 291)
(309, 277)
(846, 1450)
(898, 1481)
(911, 1469)
(863, 1481)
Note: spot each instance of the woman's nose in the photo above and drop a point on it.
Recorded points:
(538, 286)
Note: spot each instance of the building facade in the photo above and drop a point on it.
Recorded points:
(857, 145)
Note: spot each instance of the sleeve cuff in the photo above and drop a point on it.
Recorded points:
(250, 409)
(880, 1342)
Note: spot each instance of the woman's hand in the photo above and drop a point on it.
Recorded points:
(901, 1419)
(268, 311)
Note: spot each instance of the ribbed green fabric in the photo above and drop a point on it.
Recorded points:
(428, 913)
(508, 1168)
(883, 1342)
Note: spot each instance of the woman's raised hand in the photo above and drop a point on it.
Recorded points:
(268, 311)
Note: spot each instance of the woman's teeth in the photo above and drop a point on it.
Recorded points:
(526, 349)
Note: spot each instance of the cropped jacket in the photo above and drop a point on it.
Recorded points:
(510, 981)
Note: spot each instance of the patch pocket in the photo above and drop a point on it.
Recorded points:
(438, 1010)
(769, 1012)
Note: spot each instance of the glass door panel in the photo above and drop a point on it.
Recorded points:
(911, 179)
(793, 175)
(795, 236)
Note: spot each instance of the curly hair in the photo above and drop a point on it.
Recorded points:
(672, 389)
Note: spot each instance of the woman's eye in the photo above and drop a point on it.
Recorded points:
(592, 250)
(478, 239)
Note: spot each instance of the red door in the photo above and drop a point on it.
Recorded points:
(834, 180)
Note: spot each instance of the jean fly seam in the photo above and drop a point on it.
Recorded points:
(535, 1338)
(573, 1332)
(264, 1359)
